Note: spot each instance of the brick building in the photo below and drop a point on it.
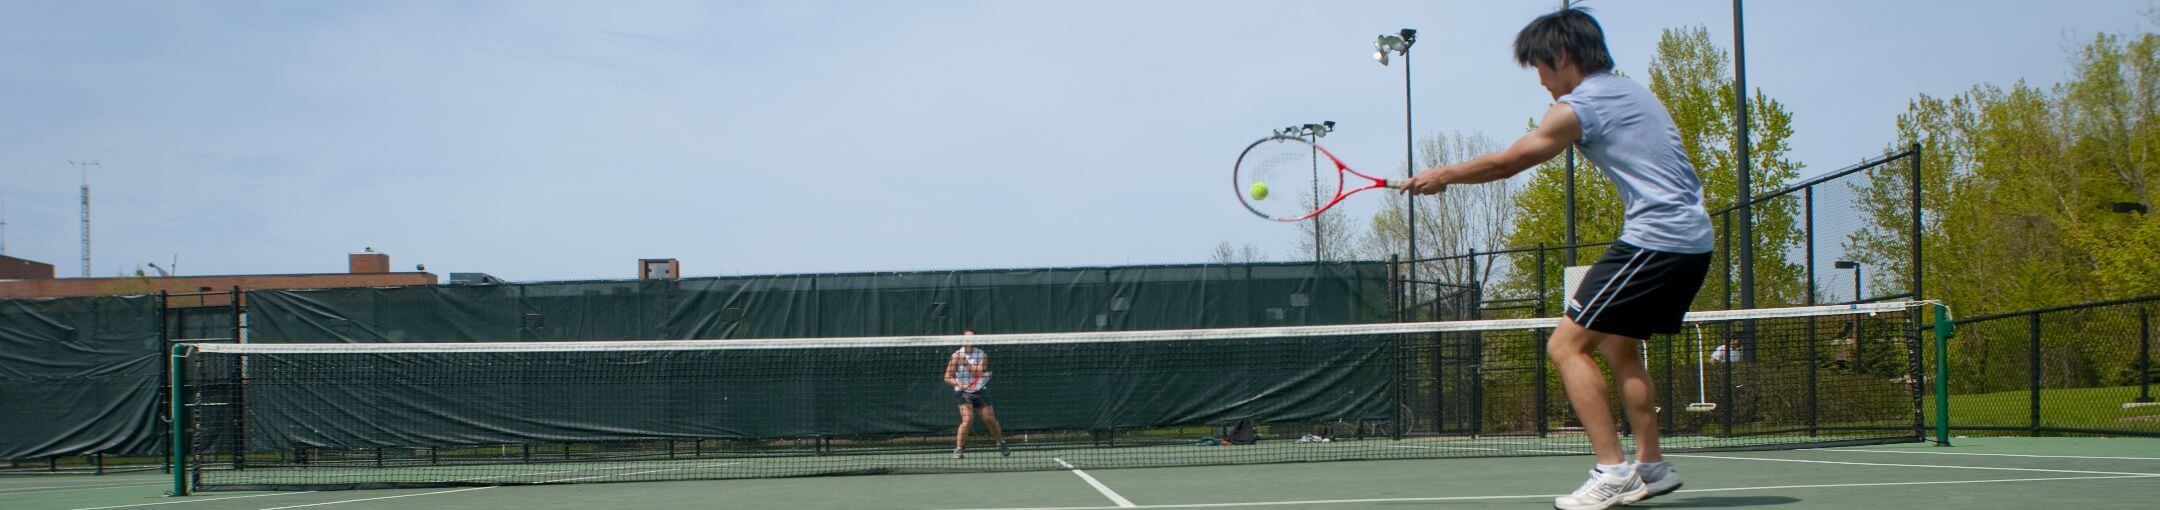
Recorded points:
(28, 279)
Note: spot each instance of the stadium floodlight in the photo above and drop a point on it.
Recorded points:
(1393, 43)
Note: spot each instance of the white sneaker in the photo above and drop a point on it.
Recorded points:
(958, 453)
(1604, 490)
(1660, 478)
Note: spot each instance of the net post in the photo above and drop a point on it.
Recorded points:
(176, 364)
(1943, 331)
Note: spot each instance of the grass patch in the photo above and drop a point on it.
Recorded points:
(2088, 408)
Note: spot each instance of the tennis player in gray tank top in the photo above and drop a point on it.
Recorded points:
(1644, 283)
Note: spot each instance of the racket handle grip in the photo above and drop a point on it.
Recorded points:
(1398, 183)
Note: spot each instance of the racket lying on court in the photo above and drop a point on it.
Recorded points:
(1285, 178)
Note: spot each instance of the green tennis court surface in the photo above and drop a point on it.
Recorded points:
(1978, 473)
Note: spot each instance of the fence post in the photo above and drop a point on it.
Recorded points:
(2033, 369)
(165, 346)
(1725, 231)
(1729, 404)
(1543, 392)
(1917, 238)
(2144, 355)
(1813, 406)
(1807, 214)
(1540, 287)
(1403, 385)
(238, 390)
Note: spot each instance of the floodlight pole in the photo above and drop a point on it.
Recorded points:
(1568, 191)
(1410, 166)
(1746, 203)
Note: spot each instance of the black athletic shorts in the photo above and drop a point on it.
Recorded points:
(976, 399)
(1636, 292)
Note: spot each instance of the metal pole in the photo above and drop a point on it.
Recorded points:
(2144, 355)
(1747, 205)
(238, 389)
(2033, 370)
(176, 366)
(1540, 282)
(1568, 197)
(1316, 223)
(165, 345)
(1410, 166)
(1807, 208)
(1568, 188)
(1917, 266)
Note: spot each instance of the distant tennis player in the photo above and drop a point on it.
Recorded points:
(967, 371)
(1644, 283)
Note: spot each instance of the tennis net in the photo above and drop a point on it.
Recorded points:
(351, 416)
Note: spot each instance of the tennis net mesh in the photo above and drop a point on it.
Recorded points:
(348, 416)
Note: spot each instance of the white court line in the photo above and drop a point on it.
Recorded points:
(1570, 452)
(1986, 454)
(1444, 447)
(1550, 496)
(1982, 468)
(83, 487)
(383, 497)
(192, 500)
(582, 470)
(641, 472)
(1099, 487)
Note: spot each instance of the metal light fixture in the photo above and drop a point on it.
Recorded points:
(1393, 43)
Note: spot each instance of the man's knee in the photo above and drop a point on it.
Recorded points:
(1570, 341)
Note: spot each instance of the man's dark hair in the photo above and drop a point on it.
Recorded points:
(1571, 32)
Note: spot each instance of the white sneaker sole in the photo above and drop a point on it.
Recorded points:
(1623, 499)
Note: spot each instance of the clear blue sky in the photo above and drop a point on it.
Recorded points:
(558, 140)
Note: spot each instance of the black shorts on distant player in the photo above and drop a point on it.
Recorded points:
(977, 399)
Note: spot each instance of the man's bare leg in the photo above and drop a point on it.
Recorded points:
(1624, 356)
(1570, 349)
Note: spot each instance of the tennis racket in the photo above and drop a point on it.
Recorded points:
(1285, 178)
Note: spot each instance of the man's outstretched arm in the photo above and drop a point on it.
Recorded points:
(1554, 133)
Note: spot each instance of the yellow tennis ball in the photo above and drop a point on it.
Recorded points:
(1259, 191)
